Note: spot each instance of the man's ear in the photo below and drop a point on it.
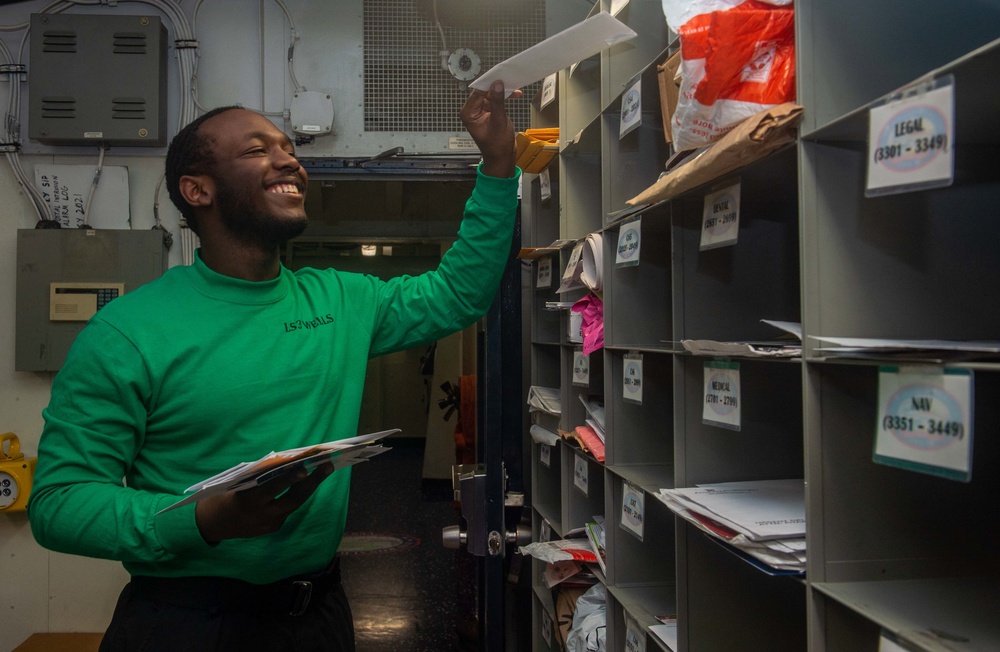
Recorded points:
(197, 190)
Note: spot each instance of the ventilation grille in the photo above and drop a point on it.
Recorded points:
(406, 89)
(59, 40)
(58, 107)
(129, 43)
(128, 108)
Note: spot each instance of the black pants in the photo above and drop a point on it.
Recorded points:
(219, 615)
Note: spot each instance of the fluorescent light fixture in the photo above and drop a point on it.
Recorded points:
(369, 250)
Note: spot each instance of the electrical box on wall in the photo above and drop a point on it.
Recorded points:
(97, 79)
(64, 276)
(16, 474)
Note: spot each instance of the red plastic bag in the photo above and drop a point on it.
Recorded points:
(737, 59)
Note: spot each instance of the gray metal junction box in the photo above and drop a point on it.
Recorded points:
(66, 275)
(97, 79)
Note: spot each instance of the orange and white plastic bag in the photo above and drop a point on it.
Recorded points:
(737, 59)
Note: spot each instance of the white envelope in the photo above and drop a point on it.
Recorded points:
(559, 51)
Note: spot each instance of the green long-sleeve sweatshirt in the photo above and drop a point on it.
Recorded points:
(196, 372)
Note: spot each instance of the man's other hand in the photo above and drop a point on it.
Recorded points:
(260, 510)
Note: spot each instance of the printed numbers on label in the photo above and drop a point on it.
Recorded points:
(948, 428)
(921, 145)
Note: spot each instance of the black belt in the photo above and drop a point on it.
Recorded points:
(290, 596)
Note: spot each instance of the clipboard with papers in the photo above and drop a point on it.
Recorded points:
(245, 475)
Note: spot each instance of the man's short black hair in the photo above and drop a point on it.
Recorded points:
(190, 152)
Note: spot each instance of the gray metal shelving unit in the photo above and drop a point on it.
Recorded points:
(891, 552)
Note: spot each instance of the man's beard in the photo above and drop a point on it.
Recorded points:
(253, 226)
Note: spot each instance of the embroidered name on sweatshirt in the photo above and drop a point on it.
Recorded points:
(308, 324)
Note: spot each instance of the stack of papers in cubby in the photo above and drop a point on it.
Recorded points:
(595, 414)
(919, 350)
(587, 439)
(746, 349)
(595, 534)
(787, 346)
(542, 435)
(544, 399)
(764, 520)
(545, 407)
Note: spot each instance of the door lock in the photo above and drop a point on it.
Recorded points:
(469, 483)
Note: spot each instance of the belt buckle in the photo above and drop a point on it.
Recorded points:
(300, 597)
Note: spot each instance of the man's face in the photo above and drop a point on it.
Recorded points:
(260, 186)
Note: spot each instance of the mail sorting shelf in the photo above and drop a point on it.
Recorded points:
(889, 548)
(641, 572)
(714, 586)
(879, 267)
(723, 293)
(580, 207)
(892, 548)
(638, 304)
(635, 159)
(640, 452)
(926, 261)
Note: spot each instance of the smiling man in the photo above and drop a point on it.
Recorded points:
(198, 371)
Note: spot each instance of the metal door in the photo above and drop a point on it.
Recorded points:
(491, 491)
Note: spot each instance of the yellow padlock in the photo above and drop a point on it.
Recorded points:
(16, 472)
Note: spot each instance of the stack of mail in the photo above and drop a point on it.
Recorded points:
(787, 345)
(560, 550)
(245, 475)
(764, 519)
(595, 414)
(597, 538)
(545, 408)
(544, 399)
(587, 439)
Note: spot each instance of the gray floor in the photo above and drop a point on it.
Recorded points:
(408, 593)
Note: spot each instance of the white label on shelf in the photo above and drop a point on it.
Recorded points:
(632, 378)
(575, 332)
(889, 643)
(925, 420)
(546, 532)
(574, 260)
(545, 184)
(546, 628)
(720, 224)
(544, 272)
(618, 5)
(910, 140)
(629, 243)
(545, 455)
(885, 645)
(722, 395)
(580, 473)
(635, 638)
(581, 368)
(631, 109)
(571, 275)
(633, 509)
(548, 90)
